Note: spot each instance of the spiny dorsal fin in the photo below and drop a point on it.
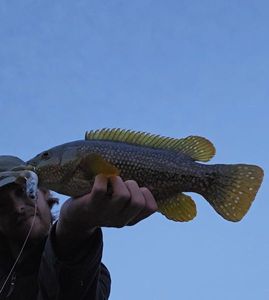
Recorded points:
(198, 148)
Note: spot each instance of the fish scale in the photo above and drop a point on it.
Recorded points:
(156, 168)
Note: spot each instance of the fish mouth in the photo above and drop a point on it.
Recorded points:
(28, 167)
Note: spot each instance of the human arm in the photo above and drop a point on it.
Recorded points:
(82, 276)
(76, 238)
(125, 204)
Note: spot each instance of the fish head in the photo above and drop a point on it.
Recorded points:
(53, 165)
(46, 164)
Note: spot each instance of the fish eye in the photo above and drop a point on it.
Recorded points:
(45, 155)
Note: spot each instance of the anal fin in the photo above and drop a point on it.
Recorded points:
(180, 208)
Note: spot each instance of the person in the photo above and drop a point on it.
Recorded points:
(62, 259)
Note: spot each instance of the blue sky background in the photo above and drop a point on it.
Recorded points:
(174, 68)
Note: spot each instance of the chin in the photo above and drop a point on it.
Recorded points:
(38, 232)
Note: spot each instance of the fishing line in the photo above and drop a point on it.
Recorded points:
(22, 248)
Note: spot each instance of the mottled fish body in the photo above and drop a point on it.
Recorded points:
(166, 166)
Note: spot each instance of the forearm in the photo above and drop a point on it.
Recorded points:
(81, 276)
(68, 241)
(78, 229)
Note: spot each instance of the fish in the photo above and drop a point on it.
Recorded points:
(168, 167)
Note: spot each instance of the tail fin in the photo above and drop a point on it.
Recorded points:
(233, 189)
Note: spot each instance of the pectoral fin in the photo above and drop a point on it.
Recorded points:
(94, 164)
(180, 208)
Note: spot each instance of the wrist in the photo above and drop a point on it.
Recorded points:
(68, 242)
(67, 230)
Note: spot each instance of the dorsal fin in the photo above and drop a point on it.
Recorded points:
(198, 148)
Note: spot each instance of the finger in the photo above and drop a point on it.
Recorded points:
(117, 198)
(120, 193)
(151, 203)
(136, 205)
(99, 188)
(138, 201)
(149, 208)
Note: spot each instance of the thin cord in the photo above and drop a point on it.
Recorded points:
(20, 253)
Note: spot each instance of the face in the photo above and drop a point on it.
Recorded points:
(17, 214)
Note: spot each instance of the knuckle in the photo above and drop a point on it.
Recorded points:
(144, 189)
(123, 196)
(119, 224)
(146, 192)
(151, 209)
(132, 183)
(151, 204)
(132, 223)
(116, 179)
(98, 191)
(138, 202)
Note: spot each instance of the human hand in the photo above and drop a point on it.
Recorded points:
(126, 204)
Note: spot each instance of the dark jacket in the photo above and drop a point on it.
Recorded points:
(44, 277)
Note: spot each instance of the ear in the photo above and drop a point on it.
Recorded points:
(52, 201)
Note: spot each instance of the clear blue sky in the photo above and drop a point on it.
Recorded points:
(173, 68)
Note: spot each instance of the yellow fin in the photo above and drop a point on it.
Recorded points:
(234, 190)
(198, 148)
(180, 208)
(94, 164)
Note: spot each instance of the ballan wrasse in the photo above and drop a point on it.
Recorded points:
(166, 166)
